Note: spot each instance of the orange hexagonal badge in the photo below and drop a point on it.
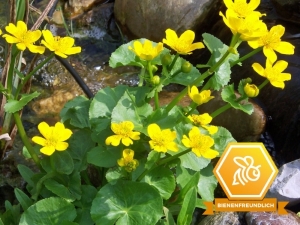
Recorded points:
(245, 171)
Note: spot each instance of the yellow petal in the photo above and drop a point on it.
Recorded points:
(172, 146)
(22, 27)
(61, 54)
(21, 46)
(10, 39)
(258, 69)
(171, 37)
(11, 28)
(45, 130)
(280, 65)
(48, 150)
(270, 54)
(113, 140)
(39, 140)
(253, 4)
(278, 30)
(128, 153)
(153, 129)
(121, 162)
(61, 146)
(210, 154)
(186, 141)
(126, 141)
(73, 50)
(48, 37)
(285, 48)
(50, 47)
(36, 49)
(188, 37)
(34, 35)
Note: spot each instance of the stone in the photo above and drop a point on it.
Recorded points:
(286, 185)
(150, 18)
(78, 7)
(225, 218)
(242, 126)
(288, 9)
(271, 218)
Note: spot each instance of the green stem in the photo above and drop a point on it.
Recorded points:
(263, 84)
(25, 139)
(156, 100)
(173, 62)
(11, 69)
(193, 107)
(163, 161)
(246, 56)
(141, 76)
(220, 110)
(40, 183)
(28, 76)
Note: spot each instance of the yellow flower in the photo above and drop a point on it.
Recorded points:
(273, 73)
(0, 32)
(271, 41)
(162, 140)
(199, 98)
(203, 120)
(251, 90)
(146, 51)
(200, 144)
(123, 131)
(54, 137)
(128, 162)
(23, 38)
(61, 46)
(184, 44)
(241, 8)
(249, 28)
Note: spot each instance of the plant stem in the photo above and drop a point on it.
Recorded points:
(24, 138)
(28, 76)
(263, 84)
(220, 110)
(10, 74)
(246, 56)
(193, 107)
(156, 100)
(173, 62)
(141, 76)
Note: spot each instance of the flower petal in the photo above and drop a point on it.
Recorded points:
(280, 65)
(188, 37)
(61, 146)
(153, 129)
(48, 150)
(39, 140)
(258, 69)
(210, 154)
(285, 48)
(45, 130)
(113, 140)
(270, 54)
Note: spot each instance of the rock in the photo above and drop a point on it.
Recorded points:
(271, 218)
(77, 7)
(286, 185)
(242, 126)
(150, 18)
(288, 9)
(225, 218)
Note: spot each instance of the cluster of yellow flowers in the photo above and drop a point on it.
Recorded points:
(243, 20)
(24, 38)
(161, 141)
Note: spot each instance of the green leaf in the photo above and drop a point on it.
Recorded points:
(80, 144)
(222, 138)
(152, 158)
(13, 106)
(163, 180)
(104, 157)
(27, 174)
(128, 203)
(193, 182)
(77, 112)
(11, 214)
(169, 217)
(84, 205)
(217, 48)
(207, 183)
(63, 162)
(114, 174)
(189, 203)
(127, 110)
(183, 175)
(183, 78)
(1, 222)
(125, 57)
(200, 203)
(70, 190)
(49, 211)
(228, 95)
(24, 200)
(105, 100)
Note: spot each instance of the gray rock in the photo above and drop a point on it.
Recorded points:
(242, 126)
(286, 185)
(271, 218)
(150, 18)
(224, 218)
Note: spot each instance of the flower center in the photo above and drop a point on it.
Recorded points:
(271, 39)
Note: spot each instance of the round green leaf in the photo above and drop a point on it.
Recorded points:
(163, 180)
(127, 202)
(63, 162)
(49, 211)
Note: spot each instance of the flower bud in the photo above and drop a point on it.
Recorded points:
(154, 68)
(166, 59)
(251, 90)
(186, 67)
(155, 80)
